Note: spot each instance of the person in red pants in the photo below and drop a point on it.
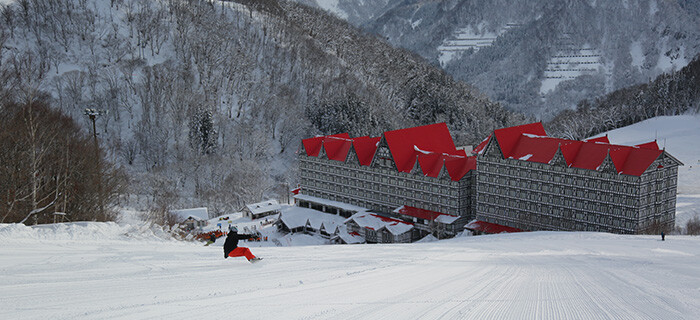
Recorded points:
(231, 248)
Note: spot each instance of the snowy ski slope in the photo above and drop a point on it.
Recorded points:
(119, 271)
(93, 272)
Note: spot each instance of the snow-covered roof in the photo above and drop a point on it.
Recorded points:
(194, 213)
(265, 206)
(446, 219)
(295, 217)
(331, 203)
(349, 237)
(376, 222)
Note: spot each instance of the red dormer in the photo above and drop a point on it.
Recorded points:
(431, 146)
(530, 143)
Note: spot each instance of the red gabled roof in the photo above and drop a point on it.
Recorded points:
(537, 148)
(313, 145)
(480, 148)
(390, 220)
(365, 147)
(405, 144)
(487, 227)
(639, 161)
(508, 137)
(430, 145)
(420, 213)
(592, 154)
(603, 139)
(528, 143)
(336, 147)
(458, 167)
(649, 145)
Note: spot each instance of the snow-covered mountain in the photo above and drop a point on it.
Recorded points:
(204, 102)
(541, 57)
(355, 12)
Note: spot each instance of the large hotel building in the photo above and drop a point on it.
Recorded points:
(530, 181)
(518, 178)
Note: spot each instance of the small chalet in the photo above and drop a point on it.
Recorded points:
(192, 218)
(426, 222)
(375, 228)
(261, 209)
(342, 236)
(297, 219)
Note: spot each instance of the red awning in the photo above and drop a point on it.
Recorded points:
(491, 228)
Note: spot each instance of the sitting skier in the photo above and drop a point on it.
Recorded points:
(231, 248)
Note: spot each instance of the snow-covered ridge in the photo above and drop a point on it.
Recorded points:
(469, 38)
(80, 231)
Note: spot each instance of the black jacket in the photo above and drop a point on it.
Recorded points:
(232, 241)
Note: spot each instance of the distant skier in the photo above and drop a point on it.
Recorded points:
(663, 236)
(231, 248)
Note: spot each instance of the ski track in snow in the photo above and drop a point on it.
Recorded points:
(539, 275)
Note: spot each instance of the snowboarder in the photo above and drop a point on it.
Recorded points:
(231, 248)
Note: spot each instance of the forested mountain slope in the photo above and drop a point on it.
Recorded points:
(543, 56)
(204, 102)
(674, 93)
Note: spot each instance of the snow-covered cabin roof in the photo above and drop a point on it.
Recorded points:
(446, 219)
(331, 203)
(295, 217)
(348, 237)
(194, 213)
(376, 222)
(265, 206)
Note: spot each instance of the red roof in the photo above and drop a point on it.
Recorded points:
(365, 148)
(405, 144)
(312, 146)
(487, 227)
(480, 148)
(390, 220)
(420, 213)
(430, 145)
(603, 139)
(529, 143)
(649, 145)
(508, 137)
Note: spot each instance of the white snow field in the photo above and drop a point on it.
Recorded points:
(93, 271)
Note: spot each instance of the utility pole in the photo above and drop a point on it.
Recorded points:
(93, 114)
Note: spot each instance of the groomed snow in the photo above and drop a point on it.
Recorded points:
(96, 273)
(92, 270)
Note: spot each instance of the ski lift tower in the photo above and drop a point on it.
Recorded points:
(93, 113)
